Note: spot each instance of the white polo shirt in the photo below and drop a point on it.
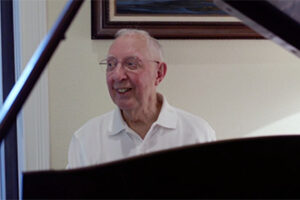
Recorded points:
(107, 137)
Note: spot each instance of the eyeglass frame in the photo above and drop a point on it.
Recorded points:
(105, 62)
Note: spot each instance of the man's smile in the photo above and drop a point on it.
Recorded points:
(123, 90)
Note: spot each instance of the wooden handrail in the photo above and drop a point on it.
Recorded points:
(35, 67)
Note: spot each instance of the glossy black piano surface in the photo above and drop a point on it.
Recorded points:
(276, 20)
(266, 167)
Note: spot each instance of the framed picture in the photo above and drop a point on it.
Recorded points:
(167, 19)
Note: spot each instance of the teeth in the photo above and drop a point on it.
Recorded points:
(122, 90)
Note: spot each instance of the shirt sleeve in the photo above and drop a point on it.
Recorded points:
(207, 133)
(211, 134)
(75, 155)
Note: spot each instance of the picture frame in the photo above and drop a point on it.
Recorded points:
(104, 26)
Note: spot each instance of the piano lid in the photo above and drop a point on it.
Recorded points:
(277, 20)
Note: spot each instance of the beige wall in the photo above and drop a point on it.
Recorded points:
(241, 87)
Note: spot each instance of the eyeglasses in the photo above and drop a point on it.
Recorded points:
(130, 63)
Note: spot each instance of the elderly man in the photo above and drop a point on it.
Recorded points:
(144, 121)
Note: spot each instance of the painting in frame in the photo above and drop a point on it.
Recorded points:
(167, 19)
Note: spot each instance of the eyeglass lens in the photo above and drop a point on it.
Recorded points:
(131, 63)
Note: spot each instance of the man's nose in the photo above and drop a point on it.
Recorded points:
(119, 72)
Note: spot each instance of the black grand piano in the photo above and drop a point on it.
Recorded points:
(265, 167)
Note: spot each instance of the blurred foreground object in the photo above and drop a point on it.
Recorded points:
(277, 20)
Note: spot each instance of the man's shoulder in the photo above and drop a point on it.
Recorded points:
(93, 125)
(189, 117)
(195, 123)
(101, 118)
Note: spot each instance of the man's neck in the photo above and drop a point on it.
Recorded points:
(142, 119)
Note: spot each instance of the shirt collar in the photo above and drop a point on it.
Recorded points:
(167, 118)
(117, 123)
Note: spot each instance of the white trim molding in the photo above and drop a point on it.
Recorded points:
(33, 121)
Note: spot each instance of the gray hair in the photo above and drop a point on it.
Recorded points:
(152, 42)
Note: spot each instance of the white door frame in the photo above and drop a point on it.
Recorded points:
(30, 24)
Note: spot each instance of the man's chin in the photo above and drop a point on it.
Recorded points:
(125, 106)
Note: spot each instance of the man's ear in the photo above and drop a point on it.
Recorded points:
(161, 73)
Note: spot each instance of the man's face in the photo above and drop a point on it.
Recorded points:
(130, 90)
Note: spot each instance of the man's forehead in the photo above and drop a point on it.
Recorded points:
(135, 40)
(129, 43)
